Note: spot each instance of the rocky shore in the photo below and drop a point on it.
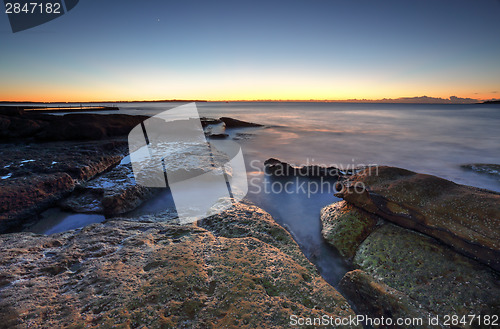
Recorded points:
(235, 269)
(76, 162)
(422, 246)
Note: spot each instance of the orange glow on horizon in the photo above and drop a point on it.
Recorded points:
(277, 89)
(101, 97)
(243, 84)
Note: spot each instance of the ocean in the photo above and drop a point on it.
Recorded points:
(428, 138)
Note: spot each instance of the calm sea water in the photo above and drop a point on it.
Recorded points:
(432, 139)
(428, 138)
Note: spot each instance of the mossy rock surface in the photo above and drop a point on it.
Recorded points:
(123, 274)
(345, 227)
(438, 278)
(375, 298)
(463, 217)
(247, 220)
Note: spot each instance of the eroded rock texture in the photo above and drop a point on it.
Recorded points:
(247, 273)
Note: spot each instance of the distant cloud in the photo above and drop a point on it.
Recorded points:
(494, 92)
(460, 100)
(419, 100)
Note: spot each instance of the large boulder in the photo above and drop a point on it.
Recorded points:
(345, 227)
(464, 217)
(133, 274)
(423, 274)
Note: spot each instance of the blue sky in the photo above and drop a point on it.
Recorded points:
(119, 50)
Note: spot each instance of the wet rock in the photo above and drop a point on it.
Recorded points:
(212, 126)
(112, 193)
(216, 128)
(345, 227)
(168, 216)
(279, 168)
(484, 168)
(217, 136)
(123, 273)
(243, 136)
(22, 198)
(234, 123)
(205, 122)
(182, 160)
(438, 279)
(81, 160)
(35, 176)
(83, 201)
(464, 217)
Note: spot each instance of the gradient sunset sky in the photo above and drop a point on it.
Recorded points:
(229, 50)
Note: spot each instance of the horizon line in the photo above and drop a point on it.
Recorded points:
(412, 100)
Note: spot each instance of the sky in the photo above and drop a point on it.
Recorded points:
(234, 50)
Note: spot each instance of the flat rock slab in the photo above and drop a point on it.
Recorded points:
(464, 217)
(135, 274)
(111, 193)
(46, 127)
(33, 176)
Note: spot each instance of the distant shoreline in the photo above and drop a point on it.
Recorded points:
(102, 102)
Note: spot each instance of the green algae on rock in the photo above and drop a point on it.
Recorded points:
(428, 272)
(345, 227)
(374, 297)
(463, 217)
